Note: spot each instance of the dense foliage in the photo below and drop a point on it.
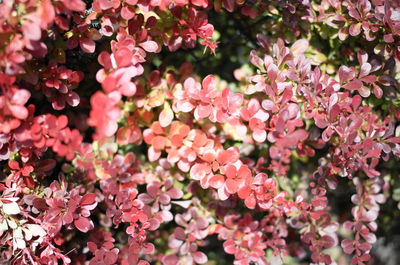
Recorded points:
(199, 131)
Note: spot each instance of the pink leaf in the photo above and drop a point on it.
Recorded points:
(295, 137)
(353, 85)
(364, 91)
(73, 99)
(31, 30)
(200, 3)
(365, 70)
(153, 154)
(299, 47)
(209, 82)
(326, 241)
(272, 72)
(20, 97)
(199, 171)
(355, 29)
(378, 92)
(259, 135)
(110, 257)
(348, 246)
(268, 105)
(149, 46)
(75, 5)
(166, 115)
(345, 74)
(250, 201)
(88, 199)
(170, 260)
(148, 248)
(203, 111)
(104, 59)
(87, 45)
(230, 247)
(123, 57)
(217, 181)
(175, 193)
(199, 257)
(19, 112)
(127, 12)
(229, 5)
(83, 224)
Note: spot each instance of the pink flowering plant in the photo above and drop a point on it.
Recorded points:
(184, 132)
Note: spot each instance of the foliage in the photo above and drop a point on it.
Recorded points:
(198, 132)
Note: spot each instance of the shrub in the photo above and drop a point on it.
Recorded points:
(198, 132)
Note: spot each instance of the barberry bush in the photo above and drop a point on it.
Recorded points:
(184, 132)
